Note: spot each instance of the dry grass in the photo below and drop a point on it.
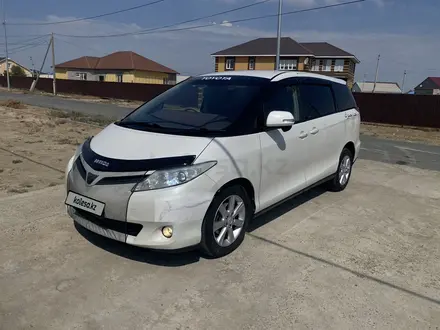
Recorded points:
(402, 133)
(35, 147)
(14, 104)
(63, 117)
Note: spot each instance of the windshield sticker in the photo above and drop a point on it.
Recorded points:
(216, 78)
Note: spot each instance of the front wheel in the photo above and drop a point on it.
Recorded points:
(225, 222)
(343, 174)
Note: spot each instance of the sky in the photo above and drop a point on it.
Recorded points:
(406, 33)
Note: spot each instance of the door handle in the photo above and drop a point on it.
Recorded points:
(303, 135)
(314, 131)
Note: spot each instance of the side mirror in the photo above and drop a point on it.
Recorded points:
(280, 119)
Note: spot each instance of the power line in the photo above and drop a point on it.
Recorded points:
(155, 30)
(174, 24)
(208, 16)
(27, 47)
(25, 41)
(26, 35)
(92, 17)
(75, 45)
(257, 17)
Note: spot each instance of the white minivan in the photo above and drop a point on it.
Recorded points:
(195, 165)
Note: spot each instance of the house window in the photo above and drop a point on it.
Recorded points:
(315, 65)
(288, 64)
(230, 63)
(216, 64)
(81, 75)
(328, 65)
(119, 77)
(251, 64)
(101, 78)
(339, 66)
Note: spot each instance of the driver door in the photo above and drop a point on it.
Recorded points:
(284, 152)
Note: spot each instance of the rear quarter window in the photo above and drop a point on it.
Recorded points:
(344, 97)
(315, 101)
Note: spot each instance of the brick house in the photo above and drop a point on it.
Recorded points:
(260, 54)
(124, 66)
(430, 86)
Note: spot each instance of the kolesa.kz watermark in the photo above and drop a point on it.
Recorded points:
(79, 201)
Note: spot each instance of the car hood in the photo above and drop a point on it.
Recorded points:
(118, 147)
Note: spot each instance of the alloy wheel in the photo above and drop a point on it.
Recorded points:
(344, 170)
(229, 220)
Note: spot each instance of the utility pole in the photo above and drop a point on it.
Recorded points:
(52, 41)
(280, 8)
(403, 82)
(33, 66)
(34, 83)
(6, 46)
(377, 72)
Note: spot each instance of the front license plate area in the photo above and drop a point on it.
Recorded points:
(85, 203)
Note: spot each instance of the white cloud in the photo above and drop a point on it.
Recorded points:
(226, 23)
(380, 3)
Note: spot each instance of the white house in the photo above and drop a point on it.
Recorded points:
(381, 87)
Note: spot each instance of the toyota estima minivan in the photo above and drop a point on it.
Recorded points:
(193, 166)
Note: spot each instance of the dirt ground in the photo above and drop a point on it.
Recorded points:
(36, 143)
(410, 134)
(35, 146)
(84, 98)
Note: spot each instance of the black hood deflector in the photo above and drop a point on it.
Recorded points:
(105, 164)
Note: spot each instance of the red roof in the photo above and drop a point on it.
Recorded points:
(85, 62)
(123, 60)
(436, 80)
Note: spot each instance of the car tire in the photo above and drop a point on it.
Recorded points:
(343, 174)
(222, 230)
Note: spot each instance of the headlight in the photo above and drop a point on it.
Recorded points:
(173, 177)
(73, 159)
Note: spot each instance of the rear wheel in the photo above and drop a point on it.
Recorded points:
(225, 222)
(343, 173)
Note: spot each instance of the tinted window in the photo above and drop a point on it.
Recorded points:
(282, 98)
(203, 104)
(344, 97)
(315, 101)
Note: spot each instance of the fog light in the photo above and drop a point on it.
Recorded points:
(167, 231)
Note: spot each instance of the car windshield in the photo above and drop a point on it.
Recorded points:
(203, 104)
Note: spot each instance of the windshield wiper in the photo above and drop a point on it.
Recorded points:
(128, 123)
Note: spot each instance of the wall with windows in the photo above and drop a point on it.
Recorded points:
(140, 77)
(80, 75)
(339, 68)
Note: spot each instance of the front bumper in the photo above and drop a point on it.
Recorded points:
(139, 217)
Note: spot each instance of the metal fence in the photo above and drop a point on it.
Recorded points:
(400, 109)
(395, 109)
(113, 90)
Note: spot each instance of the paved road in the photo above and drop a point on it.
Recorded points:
(388, 151)
(46, 101)
(321, 261)
(403, 153)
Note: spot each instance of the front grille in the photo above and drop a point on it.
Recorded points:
(106, 180)
(129, 228)
(121, 180)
